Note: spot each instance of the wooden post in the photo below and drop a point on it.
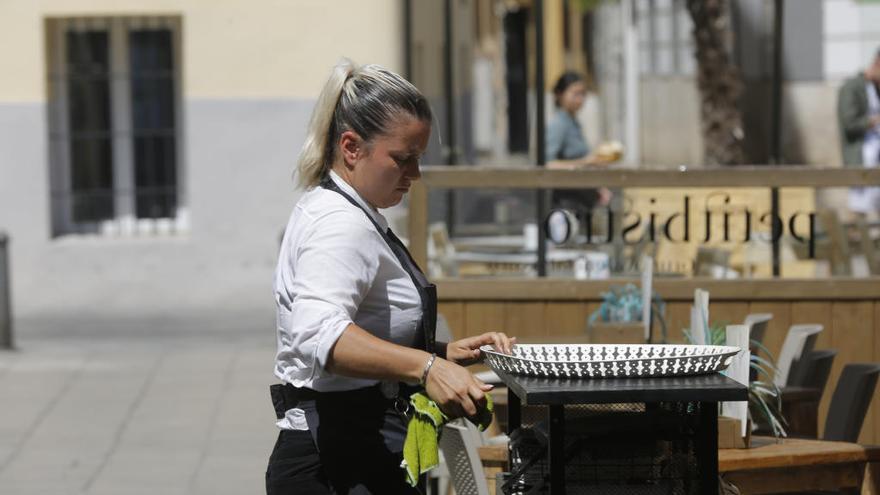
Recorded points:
(418, 224)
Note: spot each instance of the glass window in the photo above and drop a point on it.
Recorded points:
(114, 117)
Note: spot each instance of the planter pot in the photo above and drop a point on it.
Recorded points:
(729, 434)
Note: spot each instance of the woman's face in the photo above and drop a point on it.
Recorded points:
(572, 99)
(383, 170)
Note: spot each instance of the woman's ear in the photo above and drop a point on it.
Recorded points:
(350, 145)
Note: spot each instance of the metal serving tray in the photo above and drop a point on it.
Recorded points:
(611, 360)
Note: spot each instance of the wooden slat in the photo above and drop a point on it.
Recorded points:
(778, 327)
(814, 312)
(853, 337)
(525, 319)
(483, 317)
(876, 360)
(418, 224)
(454, 313)
(870, 430)
(727, 313)
(818, 312)
(678, 316)
(545, 289)
(534, 177)
(767, 453)
(566, 318)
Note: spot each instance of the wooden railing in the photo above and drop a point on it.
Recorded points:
(473, 177)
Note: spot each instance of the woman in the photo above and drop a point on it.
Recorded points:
(355, 314)
(566, 146)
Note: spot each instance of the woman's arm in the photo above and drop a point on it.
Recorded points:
(589, 161)
(358, 353)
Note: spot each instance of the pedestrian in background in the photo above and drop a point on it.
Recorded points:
(567, 147)
(858, 113)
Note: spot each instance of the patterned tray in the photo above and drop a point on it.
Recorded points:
(611, 360)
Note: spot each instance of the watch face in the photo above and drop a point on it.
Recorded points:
(559, 226)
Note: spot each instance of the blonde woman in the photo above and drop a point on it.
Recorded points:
(356, 316)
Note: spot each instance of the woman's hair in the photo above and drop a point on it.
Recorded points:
(364, 99)
(565, 80)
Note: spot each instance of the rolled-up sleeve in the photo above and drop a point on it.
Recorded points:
(328, 274)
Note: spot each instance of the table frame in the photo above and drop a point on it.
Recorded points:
(539, 392)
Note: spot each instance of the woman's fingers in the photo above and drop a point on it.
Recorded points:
(483, 386)
(467, 406)
(456, 391)
(502, 342)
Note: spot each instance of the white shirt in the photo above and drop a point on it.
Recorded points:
(334, 269)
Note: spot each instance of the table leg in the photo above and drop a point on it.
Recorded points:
(514, 412)
(556, 454)
(707, 446)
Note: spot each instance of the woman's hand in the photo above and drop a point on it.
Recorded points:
(457, 392)
(596, 161)
(467, 351)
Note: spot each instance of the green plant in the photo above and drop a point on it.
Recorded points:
(624, 304)
(765, 398)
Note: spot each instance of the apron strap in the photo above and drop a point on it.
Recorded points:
(427, 291)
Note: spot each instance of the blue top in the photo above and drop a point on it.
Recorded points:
(565, 138)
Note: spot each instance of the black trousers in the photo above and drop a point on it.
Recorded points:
(351, 448)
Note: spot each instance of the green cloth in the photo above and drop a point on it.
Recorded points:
(853, 118)
(420, 449)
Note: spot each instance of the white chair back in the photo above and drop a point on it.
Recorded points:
(758, 323)
(459, 444)
(798, 340)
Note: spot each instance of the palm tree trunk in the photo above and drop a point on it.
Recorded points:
(719, 82)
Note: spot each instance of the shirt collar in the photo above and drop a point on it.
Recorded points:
(346, 187)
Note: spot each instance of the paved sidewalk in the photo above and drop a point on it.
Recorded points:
(116, 411)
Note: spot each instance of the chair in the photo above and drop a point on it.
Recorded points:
(758, 323)
(801, 395)
(459, 444)
(812, 369)
(849, 404)
(799, 340)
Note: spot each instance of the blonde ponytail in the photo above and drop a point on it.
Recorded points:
(315, 152)
(364, 99)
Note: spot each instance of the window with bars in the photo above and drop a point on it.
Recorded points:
(114, 125)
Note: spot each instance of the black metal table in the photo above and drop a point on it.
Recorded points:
(556, 393)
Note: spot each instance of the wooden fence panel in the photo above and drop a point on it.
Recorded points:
(853, 337)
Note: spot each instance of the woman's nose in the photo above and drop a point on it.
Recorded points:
(413, 172)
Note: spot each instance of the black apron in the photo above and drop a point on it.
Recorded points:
(358, 435)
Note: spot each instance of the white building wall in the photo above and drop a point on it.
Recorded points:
(251, 73)
(851, 36)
